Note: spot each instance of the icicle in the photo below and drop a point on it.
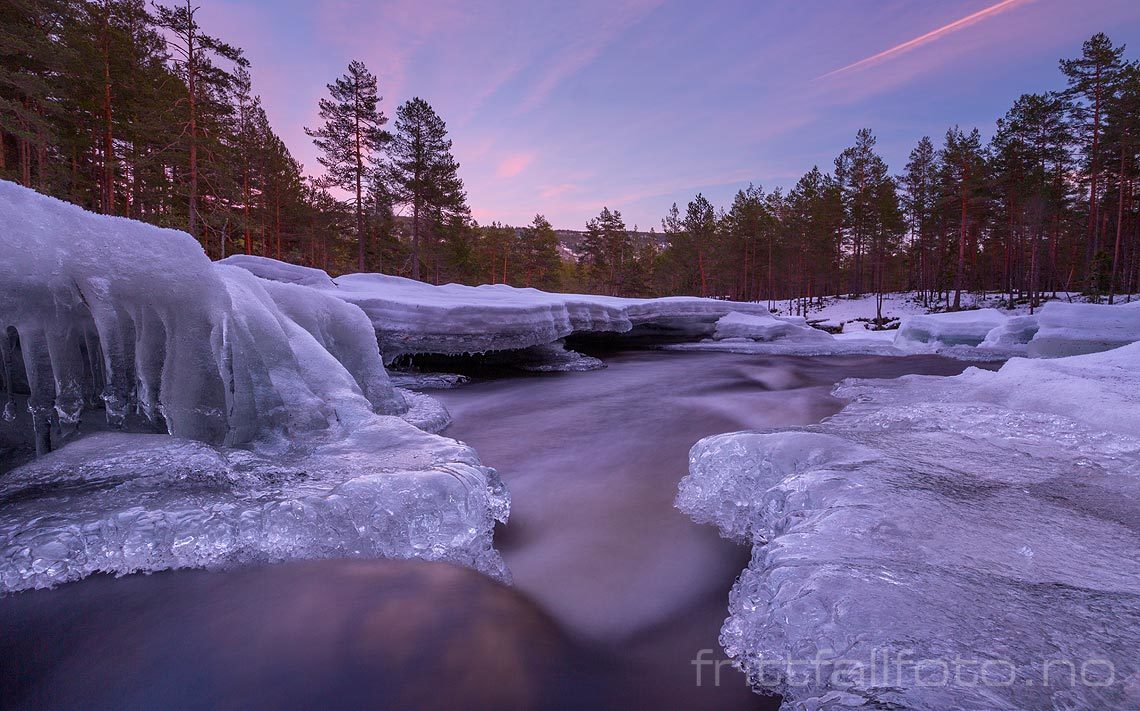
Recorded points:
(65, 355)
(150, 352)
(7, 345)
(41, 402)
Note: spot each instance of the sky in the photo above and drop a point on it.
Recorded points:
(562, 108)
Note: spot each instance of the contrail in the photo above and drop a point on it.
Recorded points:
(929, 36)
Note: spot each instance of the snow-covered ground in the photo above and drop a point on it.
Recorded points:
(1058, 328)
(855, 313)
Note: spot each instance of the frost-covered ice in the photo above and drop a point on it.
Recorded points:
(124, 503)
(274, 270)
(411, 317)
(414, 380)
(102, 313)
(965, 542)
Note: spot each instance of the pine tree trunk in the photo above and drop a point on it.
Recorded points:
(416, 235)
(1094, 174)
(1119, 225)
(108, 138)
(961, 249)
(191, 69)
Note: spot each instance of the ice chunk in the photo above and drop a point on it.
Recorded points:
(1071, 329)
(124, 503)
(1015, 332)
(758, 327)
(942, 542)
(954, 328)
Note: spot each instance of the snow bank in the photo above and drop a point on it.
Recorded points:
(1072, 329)
(101, 312)
(965, 542)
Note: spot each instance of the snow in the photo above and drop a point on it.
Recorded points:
(982, 527)
(276, 431)
(958, 328)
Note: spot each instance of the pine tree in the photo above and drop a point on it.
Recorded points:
(608, 255)
(1122, 142)
(30, 72)
(1092, 81)
(701, 230)
(1029, 162)
(859, 174)
(540, 255)
(920, 183)
(351, 139)
(743, 229)
(195, 58)
(964, 168)
(423, 173)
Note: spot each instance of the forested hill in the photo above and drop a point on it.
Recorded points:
(135, 109)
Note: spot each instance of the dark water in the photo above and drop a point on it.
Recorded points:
(616, 592)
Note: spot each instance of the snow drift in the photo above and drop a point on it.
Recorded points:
(965, 542)
(108, 313)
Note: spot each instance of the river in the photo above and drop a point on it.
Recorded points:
(616, 593)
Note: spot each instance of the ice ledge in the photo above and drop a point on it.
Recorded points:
(959, 542)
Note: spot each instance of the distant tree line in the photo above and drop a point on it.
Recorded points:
(132, 109)
(1049, 204)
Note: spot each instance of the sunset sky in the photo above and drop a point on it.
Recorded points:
(563, 107)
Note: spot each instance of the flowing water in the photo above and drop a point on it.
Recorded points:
(592, 461)
(616, 592)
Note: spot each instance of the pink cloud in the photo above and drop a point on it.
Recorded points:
(928, 37)
(514, 164)
(550, 192)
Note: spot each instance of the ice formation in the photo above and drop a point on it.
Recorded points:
(956, 328)
(103, 312)
(765, 327)
(411, 317)
(965, 542)
(1072, 329)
